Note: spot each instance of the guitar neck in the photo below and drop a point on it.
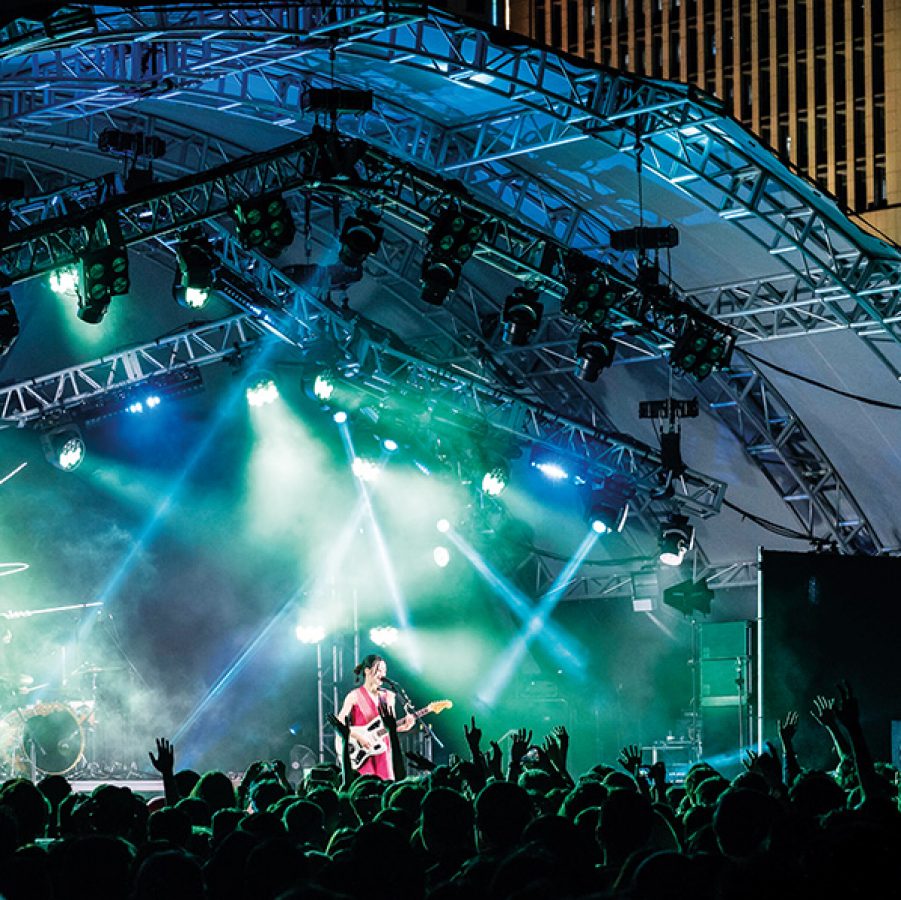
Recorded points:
(419, 713)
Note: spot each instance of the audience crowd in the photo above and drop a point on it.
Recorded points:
(497, 824)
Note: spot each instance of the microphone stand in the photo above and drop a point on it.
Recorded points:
(410, 706)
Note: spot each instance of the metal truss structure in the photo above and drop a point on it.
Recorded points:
(257, 64)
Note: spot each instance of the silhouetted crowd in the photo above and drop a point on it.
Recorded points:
(511, 825)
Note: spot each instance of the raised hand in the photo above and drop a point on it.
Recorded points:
(788, 727)
(388, 718)
(562, 736)
(473, 736)
(824, 711)
(522, 739)
(552, 751)
(164, 761)
(766, 764)
(657, 773)
(343, 728)
(494, 761)
(847, 709)
(630, 759)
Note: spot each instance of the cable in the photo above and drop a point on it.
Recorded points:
(774, 527)
(882, 404)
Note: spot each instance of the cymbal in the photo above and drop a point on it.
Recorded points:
(20, 680)
(31, 690)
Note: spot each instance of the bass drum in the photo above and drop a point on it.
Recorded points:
(52, 733)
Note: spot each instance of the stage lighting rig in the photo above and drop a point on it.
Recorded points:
(335, 101)
(265, 223)
(452, 241)
(677, 537)
(594, 353)
(9, 323)
(703, 346)
(668, 413)
(361, 236)
(196, 269)
(590, 294)
(607, 506)
(131, 144)
(63, 446)
(103, 274)
(521, 316)
(644, 238)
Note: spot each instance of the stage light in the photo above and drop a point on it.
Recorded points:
(384, 635)
(365, 469)
(323, 386)
(103, 275)
(389, 445)
(494, 481)
(64, 447)
(264, 223)
(262, 390)
(594, 353)
(152, 401)
(441, 556)
(340, 417)
(9, 323)
(590, 293)
(607, 506)
(677, 537)
(310, 634)
(548, 462)
(443, 526)
(64, 281)
(703, 347)
(645, 591)
(521, 316)
(689, 596)
(195, 272)
(361, 236)
(452, 241)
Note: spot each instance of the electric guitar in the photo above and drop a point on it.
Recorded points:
(378, 734)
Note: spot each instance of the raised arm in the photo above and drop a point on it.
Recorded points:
(791, 768)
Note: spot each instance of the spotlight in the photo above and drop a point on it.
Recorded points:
(103, 275)
(196, 271)
(452, 241)
(703, 347)
(441, 555)
(443, 526)
(608, 506)
(677, 537)
(262, 391)
(494, 481)
(9, 324)
(365, 469)
(389, 445)
(548, 462)
(689, 596)
(594, 353)
(323, 386)
(361, 236)
(264, 223)
(590, 294)
(64, 447)
(521, 316)
(384, 635)
(64, 281)
(310, 634)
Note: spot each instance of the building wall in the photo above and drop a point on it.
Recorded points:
(819, 81)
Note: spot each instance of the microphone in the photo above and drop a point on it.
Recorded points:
(386, 680)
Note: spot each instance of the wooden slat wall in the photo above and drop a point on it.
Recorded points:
(616, 27)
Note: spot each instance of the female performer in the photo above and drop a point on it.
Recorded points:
(362, 705)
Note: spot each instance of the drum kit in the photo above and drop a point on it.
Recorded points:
(46, 738)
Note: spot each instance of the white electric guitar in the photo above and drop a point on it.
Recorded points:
(377, 734)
